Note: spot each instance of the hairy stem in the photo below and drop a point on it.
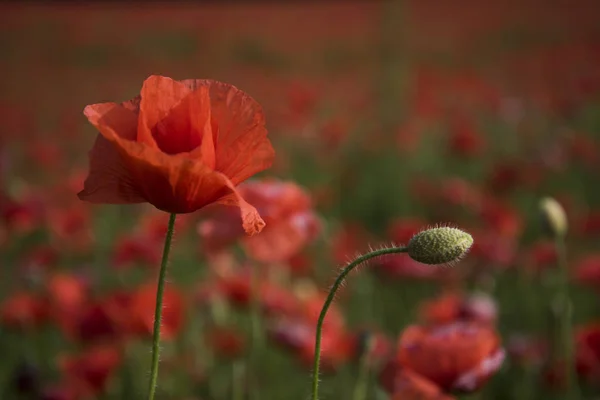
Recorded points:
(329, 300)
(158, 310)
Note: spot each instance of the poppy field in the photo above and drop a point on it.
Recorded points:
(364, 200)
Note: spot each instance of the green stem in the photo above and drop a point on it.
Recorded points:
(329, 300)
(362, 383)
(158, 310)
(256, 341)
(237, 380)
(565, 311)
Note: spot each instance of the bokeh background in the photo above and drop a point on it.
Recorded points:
(386, 116)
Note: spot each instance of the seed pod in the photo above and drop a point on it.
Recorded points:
(554, 219)
(441, 245)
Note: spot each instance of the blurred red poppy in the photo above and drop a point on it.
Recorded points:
(587, 352)
(404, 384)
(460, 356)
(465, 139)
(493, 249)
(23, 310)
(62, 391)
(298, 336)
(348, 241)
(452, 307)
(66, 292)
(179, 146)
(173, 315)
(539, 256)
(587, 271)
(287, 210)
(402, 230)
(273, 299)
(400, 266)
(501, 218)
(133, 249)
(90, 371)
(225, 342)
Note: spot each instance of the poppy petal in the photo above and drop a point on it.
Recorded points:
(251, 220)
(242, 146)
(159, 95)
(187, 128)
(109, 179)
(114, 118)
(180, 184)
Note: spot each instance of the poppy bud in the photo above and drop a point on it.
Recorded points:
(440, 245)
(554, 219)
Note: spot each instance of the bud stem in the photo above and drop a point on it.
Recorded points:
(158, 310)
(356, 262)
(362, 383)
(256, 330)
(566, 332)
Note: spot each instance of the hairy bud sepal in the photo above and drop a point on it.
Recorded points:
(440, 245)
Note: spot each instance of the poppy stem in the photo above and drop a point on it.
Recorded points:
(158, 310)
(255, 321)
(565, 315)
(361, 388)
(331, 296)
(237, 384)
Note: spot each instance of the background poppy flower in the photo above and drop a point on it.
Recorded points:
(457, 356)
(179, 146)
(287, 209)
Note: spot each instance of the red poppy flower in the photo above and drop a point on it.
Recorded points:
(90, 371)
(540, 256)
(71, 226)
(226, 342)
(298, 336)
(173, 316)
(179, 146)
(460, 192)
(410, 386)
(441, 310)
(587, 345)
(501, 218)
(61, 391)
(273, 299)
(453, 307)
(67, 292)
(348, 241)
(590, 224)
(465, 139)
(493, 249)
(404, 384)
(91, 324)
(23, 310)
(459, 356)
(587, 271)
(400, 266)
(402, 230)
(134, 249)
(286, 208)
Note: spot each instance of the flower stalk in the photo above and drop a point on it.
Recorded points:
(158, 310)
(330, 297)
(440, 245)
